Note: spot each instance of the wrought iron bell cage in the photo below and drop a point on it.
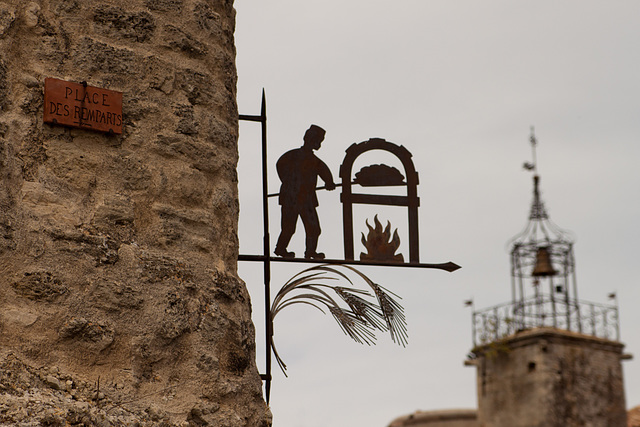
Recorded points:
(544, 288)
(543, 281)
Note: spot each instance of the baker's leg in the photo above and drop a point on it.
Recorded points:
(312, 230)
(289, 218)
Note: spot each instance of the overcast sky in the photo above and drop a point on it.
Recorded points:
(459, 84)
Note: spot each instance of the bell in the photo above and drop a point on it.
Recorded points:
(543, 267)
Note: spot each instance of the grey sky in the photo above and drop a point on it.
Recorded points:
(458, 84)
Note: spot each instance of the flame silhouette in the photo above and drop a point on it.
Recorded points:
(378, 244)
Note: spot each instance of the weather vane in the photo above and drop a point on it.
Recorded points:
(358, 312)
(533, 165)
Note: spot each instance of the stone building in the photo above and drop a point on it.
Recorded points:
(546, 358)
(438, 418)
(119, 295)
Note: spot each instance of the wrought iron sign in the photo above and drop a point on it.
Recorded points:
(299, 170)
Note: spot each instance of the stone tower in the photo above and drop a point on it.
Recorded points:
(547, 359)
(119, 295)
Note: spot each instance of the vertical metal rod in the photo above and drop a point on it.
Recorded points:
(266, 247)
(536, 291)
(568, 302)
(516, 319)
(553, 302)
(414, 240)
(473, 324)
(517, 268)
(347, 214)
(617, 313)
(485, 328)
(513, 281)
(572, 264)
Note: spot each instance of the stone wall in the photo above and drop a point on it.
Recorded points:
(119, 294)
(547, 377)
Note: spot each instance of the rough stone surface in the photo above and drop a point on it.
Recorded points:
(633, 417)
(119, 296)
(7, 16)
(547, 377)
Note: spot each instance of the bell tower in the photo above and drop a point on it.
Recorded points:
(546, 358)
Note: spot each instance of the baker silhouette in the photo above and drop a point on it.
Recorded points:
(299, 170)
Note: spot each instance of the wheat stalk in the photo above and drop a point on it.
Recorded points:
(357, 316)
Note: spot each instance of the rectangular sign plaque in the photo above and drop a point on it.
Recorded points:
(81, 106)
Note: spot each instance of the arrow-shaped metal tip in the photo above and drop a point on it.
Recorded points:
(450, 266)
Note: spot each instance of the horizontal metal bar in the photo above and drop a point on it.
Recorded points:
(447, 266)
(252, 118)
(378, 199)
(543, 299)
